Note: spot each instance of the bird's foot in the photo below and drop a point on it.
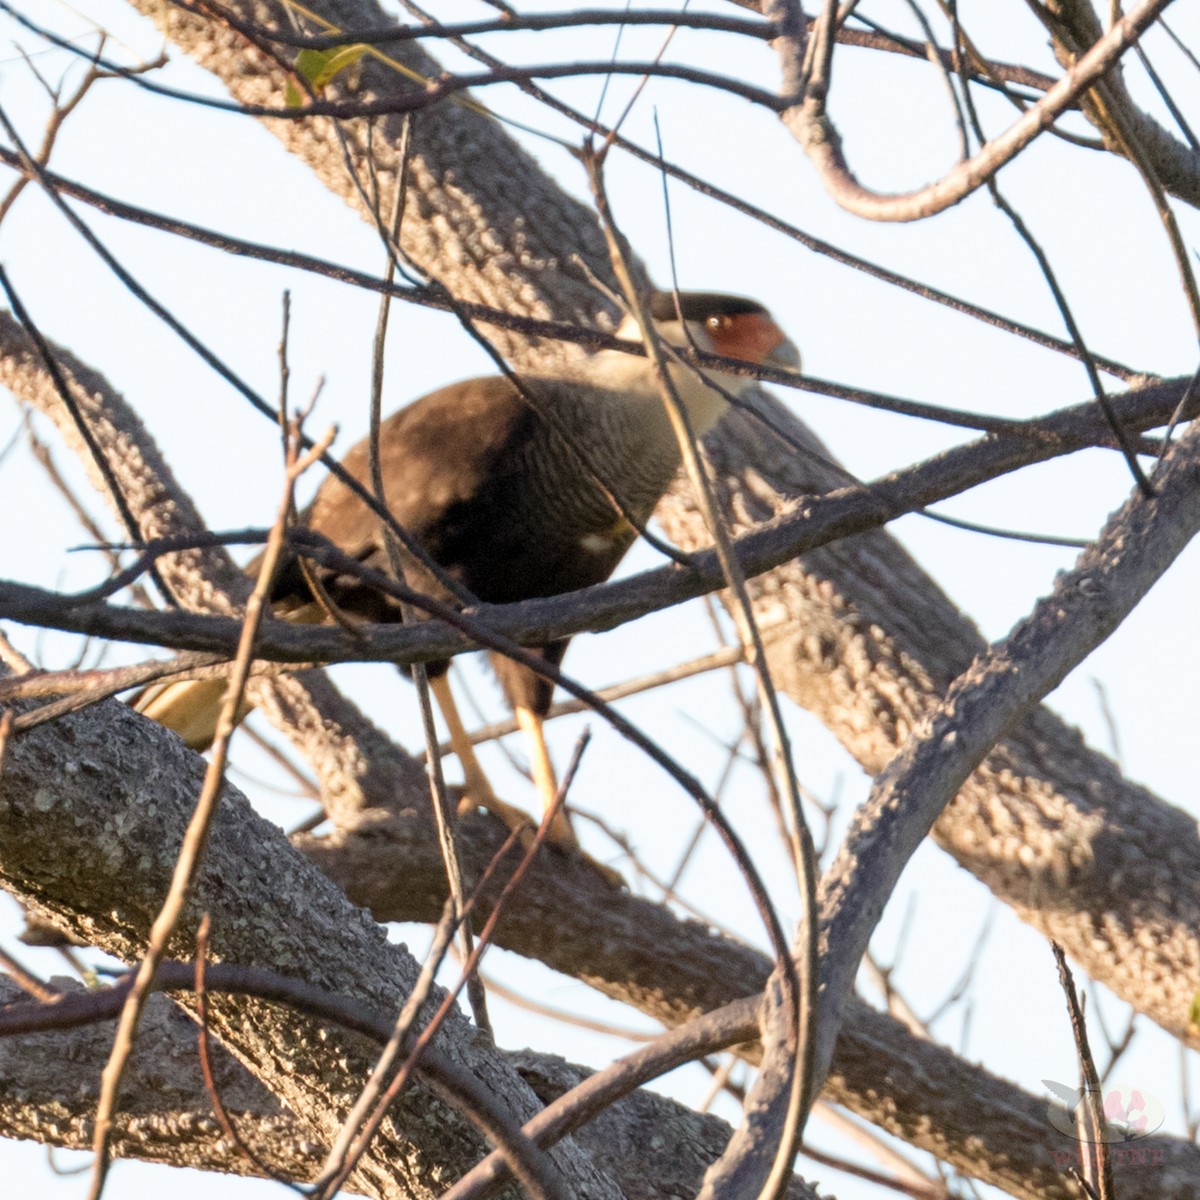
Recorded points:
(560, 837)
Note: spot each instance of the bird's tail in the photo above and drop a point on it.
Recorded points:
(190, 708)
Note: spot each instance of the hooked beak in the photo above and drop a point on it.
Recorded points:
(785, 356)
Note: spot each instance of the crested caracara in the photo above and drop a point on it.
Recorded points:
(515, 496)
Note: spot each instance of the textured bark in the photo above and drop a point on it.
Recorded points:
(860, 636)
(92, 811)
(482, 218)
(50, 1082)
(866, 639)
(356, 765)
(653, 1147)
(637, 952)
(676, 1145)
(1013, 1145)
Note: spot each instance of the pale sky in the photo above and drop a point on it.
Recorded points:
(1089, 211)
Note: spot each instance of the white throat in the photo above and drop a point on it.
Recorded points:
(635, 374)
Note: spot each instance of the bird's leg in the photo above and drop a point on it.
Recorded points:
(190, 707)
(476, 785)
(543, 776)
(479, 790)
(542, 769)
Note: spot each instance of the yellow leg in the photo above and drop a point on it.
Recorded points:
(479, 790)
(475, 782)
(543, 775)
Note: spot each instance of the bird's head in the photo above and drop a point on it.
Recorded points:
(731, 326)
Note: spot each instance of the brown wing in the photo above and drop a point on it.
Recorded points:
(435, 455)
(495, 496)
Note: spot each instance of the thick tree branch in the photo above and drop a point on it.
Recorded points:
(93, 808)
(653, 1147)
(1076, 842)
(1074, 25)
(863, 638)
(771, 541)
(1086, 606)
(484, 251)
(810, 125)
(636, 951)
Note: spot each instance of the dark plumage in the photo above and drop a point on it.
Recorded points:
(514, 497)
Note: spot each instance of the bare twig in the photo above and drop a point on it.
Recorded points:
(792, 1012)
(822, 520)
(1137, 545)
(1089, 1114)
(191, 853)
(204, 1053)
(806, 118)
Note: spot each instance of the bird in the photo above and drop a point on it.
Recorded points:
(515, 492)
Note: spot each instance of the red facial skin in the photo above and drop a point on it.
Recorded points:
(752, 337)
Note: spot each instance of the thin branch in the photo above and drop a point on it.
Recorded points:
(545, 1183)
(618, 691)
(70, 403)
(737, 1022)
(1124, 439)
(443, 817)
(555, 330)
(191, 853)
(820, 521)
(812, 128)
(449, 1080)
(790, 1014)
(1090, 1119)
(204, 1054)
(1110, 578)
(446, 87)
(375, 36)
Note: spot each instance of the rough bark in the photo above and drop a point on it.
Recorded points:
(91, 815)
(671, 969)
(860, 636)
(653, 1147)
(867, 639)
(49, 1084)
(482, 218)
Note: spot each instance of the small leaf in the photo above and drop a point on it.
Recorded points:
(319, 68)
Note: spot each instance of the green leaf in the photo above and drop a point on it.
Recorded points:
(319, 68)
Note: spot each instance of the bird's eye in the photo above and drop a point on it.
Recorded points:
(717, 322)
